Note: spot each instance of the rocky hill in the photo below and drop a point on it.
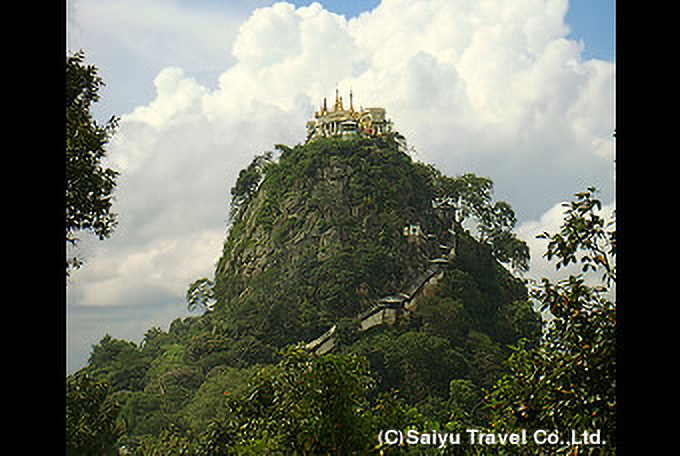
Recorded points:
(347, 237)
(325, 231)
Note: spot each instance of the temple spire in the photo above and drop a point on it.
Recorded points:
(338, 102)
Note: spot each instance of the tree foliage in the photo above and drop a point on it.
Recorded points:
(470, 198)
(248, 181)
(92, 426)
(585, 237)
(200, 295)
(89, 184)
(306, 405)
(569, 381)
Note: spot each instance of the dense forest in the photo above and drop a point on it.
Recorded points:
(320, 234)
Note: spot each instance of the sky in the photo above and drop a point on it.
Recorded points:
(522, 92)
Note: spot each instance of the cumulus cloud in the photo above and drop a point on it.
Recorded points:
(490, 87)
(494, 88)
(131, 41)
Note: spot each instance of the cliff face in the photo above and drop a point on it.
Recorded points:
(328, 229)
(323, 232)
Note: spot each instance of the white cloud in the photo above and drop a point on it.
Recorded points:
(494, 88)
(158, 30)
(132, 41)
(491, 87)
(175, 95)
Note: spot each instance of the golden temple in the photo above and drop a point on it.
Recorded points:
(349, 122)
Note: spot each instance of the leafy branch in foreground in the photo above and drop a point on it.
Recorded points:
(569, 381)
(89, 185)
(585, 237)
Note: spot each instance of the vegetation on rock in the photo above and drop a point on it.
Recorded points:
(317, 236)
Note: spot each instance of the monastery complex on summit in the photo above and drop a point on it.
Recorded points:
(339, 121)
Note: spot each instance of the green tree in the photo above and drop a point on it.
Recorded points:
(248, 181)
(585, 237)
(167, 443)
(89, 184)
(306, 405)
(119, 362)
(200, 295)
(92, 426)
(569, 381)
(464, 196)
(470, 197)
